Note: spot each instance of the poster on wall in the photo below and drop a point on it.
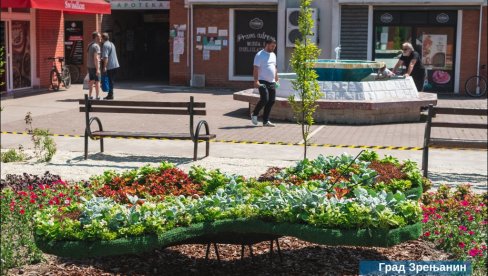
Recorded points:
(21, 54)
(434, 49)
(252, 28)
(73, 42)
(439, 81)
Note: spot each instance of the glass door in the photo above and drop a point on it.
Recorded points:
(388, 43)
(21, 54)
(437, 51)
(4, 57)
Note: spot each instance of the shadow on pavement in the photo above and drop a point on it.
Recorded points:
(128, 158)
(238, 113)
(470, 178)
(237, 127)
(70, 100)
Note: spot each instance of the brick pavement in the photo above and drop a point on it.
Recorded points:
(229, 119)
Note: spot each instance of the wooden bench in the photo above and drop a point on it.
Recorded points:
(450, 143)
(190, 108)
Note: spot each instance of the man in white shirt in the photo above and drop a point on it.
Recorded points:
(265, 75)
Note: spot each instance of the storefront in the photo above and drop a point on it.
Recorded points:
(225, 39)
(433, 35)
(140, 29)
(449, 35)
(33, 30)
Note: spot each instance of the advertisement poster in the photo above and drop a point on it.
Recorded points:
(252, 28)
(434, 49)
(439, 81)
(73, 42)
(21, 54)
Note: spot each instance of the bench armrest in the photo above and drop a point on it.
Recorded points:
(88, 128)
(197, 130)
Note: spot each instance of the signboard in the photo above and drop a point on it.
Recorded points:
(252, 28)
(139, 5)
(73, 42)
(434, 49)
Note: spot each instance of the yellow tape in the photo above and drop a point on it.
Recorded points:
(253, 142)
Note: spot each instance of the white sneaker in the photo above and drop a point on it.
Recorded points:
(254, 120)
(269, 124)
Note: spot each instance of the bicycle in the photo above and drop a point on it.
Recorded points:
(475, 86)
(56, 77)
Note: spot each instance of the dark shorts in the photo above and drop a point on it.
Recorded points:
(92, 74)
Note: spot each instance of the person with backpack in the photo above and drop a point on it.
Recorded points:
(93, 65)
(110, 63)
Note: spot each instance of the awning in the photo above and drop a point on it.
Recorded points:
(70, 6)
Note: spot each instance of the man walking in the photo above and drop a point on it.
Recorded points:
(93, 65)
(265, 78)
(110, 63)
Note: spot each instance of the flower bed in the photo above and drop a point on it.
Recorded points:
(456, 221)
(329, 200)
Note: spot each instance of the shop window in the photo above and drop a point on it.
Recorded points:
(388, 43)
(437, 51)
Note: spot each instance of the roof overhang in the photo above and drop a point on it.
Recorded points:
(70, 6)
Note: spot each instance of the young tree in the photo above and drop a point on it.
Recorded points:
(306, 84)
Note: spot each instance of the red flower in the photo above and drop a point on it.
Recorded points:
(427, 234)
(470, 218)
(464, 203)
(461, 244)
(463, 228)
(32, 201)
(425, 220)
(475, 252)
(471, 233)
(22, 211)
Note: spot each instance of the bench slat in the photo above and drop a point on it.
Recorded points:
(479, 144)
(460, 111)
(143, 110)
(459, 125)
(142, 103)
(149, 135)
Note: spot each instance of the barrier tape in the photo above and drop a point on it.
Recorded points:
(253, 142)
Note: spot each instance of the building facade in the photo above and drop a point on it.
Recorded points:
(32, 31)
(212, 43)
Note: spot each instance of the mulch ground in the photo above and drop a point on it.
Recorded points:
(299, 258)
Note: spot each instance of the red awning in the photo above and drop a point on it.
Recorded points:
(71, 6)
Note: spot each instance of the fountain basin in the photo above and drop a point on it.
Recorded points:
(345, 70)
(349, 102)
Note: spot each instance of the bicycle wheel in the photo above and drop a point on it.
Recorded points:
(54, 80)
(66, 77)
(75, 73)
(475, 86)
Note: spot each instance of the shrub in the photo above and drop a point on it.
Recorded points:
(13, 155)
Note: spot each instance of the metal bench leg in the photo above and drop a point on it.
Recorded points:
(279, 250)
(242, 251)
(195, 150)
(217, 252)
(425, 161)
(208, 251)
(101, 144)
(86, 145)
(207, 151)
(271, 251)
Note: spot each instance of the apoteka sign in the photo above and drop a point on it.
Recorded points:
(139, 5)
(386, 18)
(256, 24)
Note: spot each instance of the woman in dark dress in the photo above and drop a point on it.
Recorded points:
(411, 59)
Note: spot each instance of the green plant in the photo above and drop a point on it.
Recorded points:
(302, 62)
(44, 145)
(13, 155)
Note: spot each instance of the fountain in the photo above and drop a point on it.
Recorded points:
(352, 94)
